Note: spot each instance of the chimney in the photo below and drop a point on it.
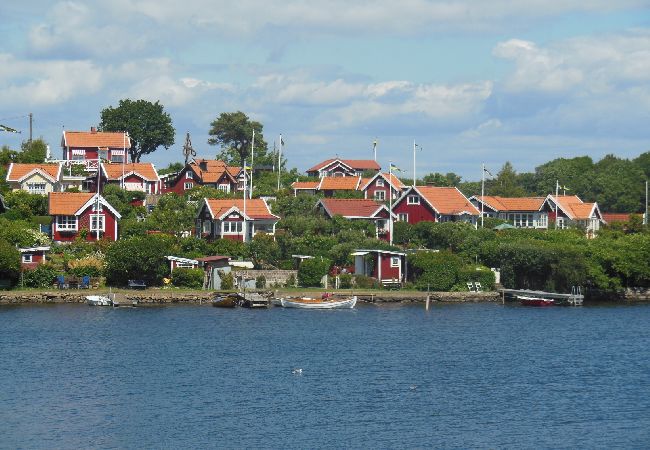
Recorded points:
(93, 129)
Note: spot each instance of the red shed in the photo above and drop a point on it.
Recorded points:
(82, 214)
(385, 265)
(33, 256)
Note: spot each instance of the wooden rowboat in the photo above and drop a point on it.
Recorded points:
(226, 301)
(535, 301)
(318, 303)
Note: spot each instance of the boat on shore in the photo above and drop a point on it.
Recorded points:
(226, 301)
(535, 301)
(98, 300)
(327, 302)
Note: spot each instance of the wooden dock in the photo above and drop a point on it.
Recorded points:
(120, 300)
(574, 299)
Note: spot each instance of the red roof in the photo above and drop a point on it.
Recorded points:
(616, 217)
(145, 170)
(350, 208)
(305, 185)
(355, 164)
(256, 208)
(575, 208)
(212, 170)
(67, 203)
(390, 177)
(446, 200)
(512, 203)
(339, 183)
(17, 171)
(91, 138)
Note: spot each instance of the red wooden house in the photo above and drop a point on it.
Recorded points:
(205, 172)
(141, 177)
(358, 209)
(31, 257)
(378, 187)
(570, 210)
(85, 147)
(387, 266)
(434, 204)
(343, 167)
(80, 214)
(236, 219)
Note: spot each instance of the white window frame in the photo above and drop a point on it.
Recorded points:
(67, 225)
(188, 185)
(380, 195)
(224, 187)
(31, 188)
(394, 261)
(189, 175)
(117, 158)
(206, 227)
(95, 220)
(413, 200)
(78, 154)
(380, 182)
(402, 217)
(27, 258)
(232, 227)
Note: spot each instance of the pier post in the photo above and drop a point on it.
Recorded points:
(428, 303)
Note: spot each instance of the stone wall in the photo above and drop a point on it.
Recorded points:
(273, 277)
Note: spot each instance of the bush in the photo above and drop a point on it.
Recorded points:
(365, 282)
(311, 271)
(345, 281)
(437, 271)
(9, 263)
(90, 265)
(189, 278)
(473, 274)
(43, 276)
(140, 258)
(260, 282)
(227, 280)
(291, 281)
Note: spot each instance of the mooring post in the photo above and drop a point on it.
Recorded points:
(428, 303)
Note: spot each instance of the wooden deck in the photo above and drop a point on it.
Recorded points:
(575, 299)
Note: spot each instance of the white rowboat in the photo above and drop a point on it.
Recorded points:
(98, 300)
(317, 303)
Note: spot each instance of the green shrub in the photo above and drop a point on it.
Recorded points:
(345, 281)
(140, 258)
(291, 281)
(9, 263)
(188, 278)
(227, 280)
(473, 274)
(43, 276)
(311, 271)
(365, 282)
(437, 271)
(260, 282)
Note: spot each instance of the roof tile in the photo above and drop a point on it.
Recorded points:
(18, 170)
(108, 139)
(146, 170)
(350, 207)
(447, 200)
(67, 203)
(256, 208)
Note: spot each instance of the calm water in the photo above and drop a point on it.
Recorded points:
(460, 376)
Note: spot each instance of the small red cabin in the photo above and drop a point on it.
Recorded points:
(80, 214)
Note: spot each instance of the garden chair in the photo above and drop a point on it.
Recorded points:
(85, 282)
(61, 283)
(478, 287)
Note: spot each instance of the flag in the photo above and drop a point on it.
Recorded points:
(8, 129)
(374, 144)
(394, 168)
(247, 168)
(281, 140)
(488, 172)
(564, 188)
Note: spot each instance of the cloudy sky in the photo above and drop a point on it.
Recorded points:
(471, 81)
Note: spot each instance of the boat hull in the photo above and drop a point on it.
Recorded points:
(314, 303)
(98, 300)
(535, 301)
(228, 301)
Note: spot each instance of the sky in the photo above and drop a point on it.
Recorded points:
(470, 81)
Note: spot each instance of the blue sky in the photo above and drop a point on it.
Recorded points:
(471, 81)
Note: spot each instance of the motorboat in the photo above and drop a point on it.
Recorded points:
(98, 300)
(226, 301)
(327, 302)
(535, 301)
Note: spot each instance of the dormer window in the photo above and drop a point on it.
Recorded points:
(189, 175)
(380, 182)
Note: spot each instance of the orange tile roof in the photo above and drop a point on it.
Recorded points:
(17, 171)
(214, 170)
(339, 183)
(390, 177)
(305, 185)
(513, 203)
(575, 208)
(256, 208)
(616, 217)
(109, 139)
(146, 170)
(350, 207)
(357, 164)
(67, 203)
(447, 200)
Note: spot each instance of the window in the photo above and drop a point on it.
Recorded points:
(78, 154)
(380, 195)
(542, 221)
(27, 258)
(233, 227)
(66, 223)
(98, 208)
(188, 185)
(402, 217)
(36, 188)
(380, 182)
(117, 158)
(561, 223)
(103, 154)
(394, 261)
(207, 227)
(413, 200)
(189, 175)
(97, 222)
(224, 187)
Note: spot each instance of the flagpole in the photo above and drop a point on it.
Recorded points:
(123, 156)
(390, 202)
(482, 192)
(414, 178)
(557, 188)
(646, 203)
(244, 225)
(374, 148)
(279, 161)
(252, 162)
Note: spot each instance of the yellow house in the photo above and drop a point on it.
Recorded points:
(35, 178)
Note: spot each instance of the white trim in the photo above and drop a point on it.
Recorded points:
(25, 256)
(102, 200)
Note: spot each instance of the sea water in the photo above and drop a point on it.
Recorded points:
(456, 376)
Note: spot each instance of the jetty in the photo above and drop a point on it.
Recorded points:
(575, 298)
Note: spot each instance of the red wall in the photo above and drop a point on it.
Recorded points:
(387, 271)
(84, 222)
(417, 213)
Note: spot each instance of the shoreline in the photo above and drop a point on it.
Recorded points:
(167, 297)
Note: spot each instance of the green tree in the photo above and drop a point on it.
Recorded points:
(233, 132)
(25, 205)
(617, 185)
(643, 161)
(139, 258)
(506, 183)
(33, 152)
(121, 199)
(9, 262)
(264, 251)
(148, 125)
(171, 168)
(437, 179)
(311, 271)
(173, 215)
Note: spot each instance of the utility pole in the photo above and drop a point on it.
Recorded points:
(645, 219)
(31, 117)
